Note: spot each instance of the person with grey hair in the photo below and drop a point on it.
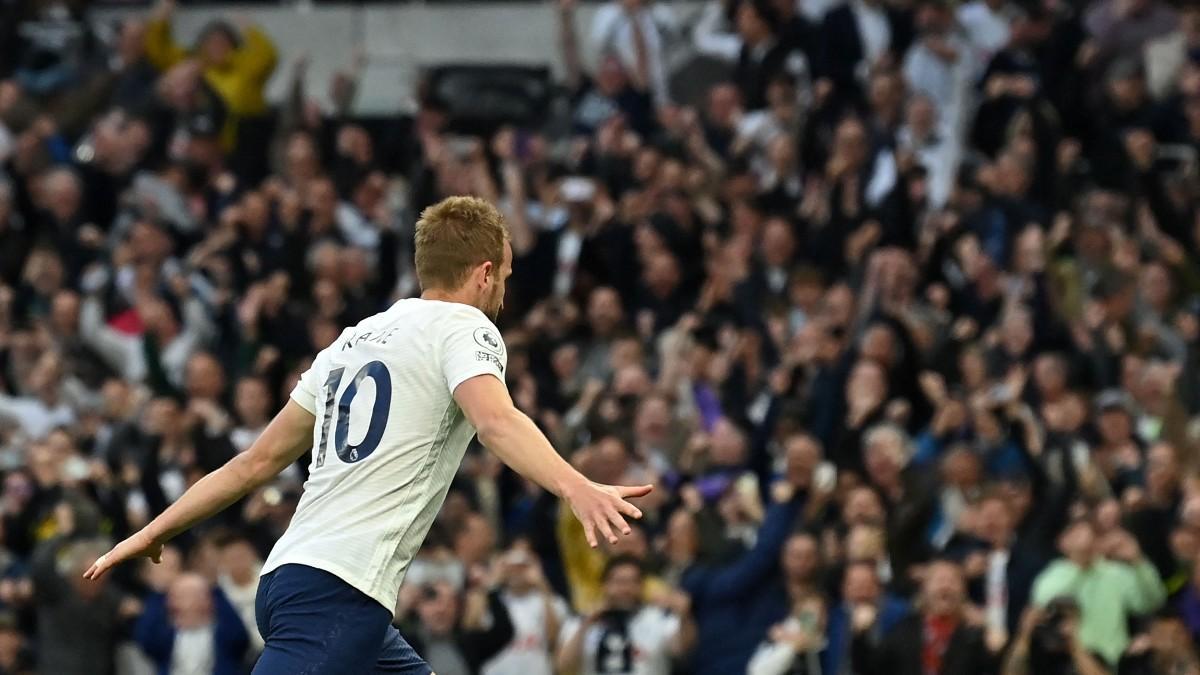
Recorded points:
(59, 216)
(887, 451)
(909, 492)
(890, 438)
(79, 621)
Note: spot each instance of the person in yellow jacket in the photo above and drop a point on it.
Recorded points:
(237, 67)
(584, 565)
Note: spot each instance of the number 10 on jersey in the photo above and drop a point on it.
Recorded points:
(341, 430)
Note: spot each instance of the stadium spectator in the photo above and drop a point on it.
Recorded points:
(795, 645)
(15, 655)
(457, 632)
(624, 635)
(987, 26)
(735, 603)
(1109, 590)
(537, 615)
(1163, 648)
(937, 638)
(857, 38)
(865, 609)
(1048, 642)
(192, 628)
(93, 613)
(637, 33)
(235, 63)
(238, 567)
(760, 50)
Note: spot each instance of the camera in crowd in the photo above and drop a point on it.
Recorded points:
(1050, 642)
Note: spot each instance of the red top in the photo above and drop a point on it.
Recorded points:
(937, 634)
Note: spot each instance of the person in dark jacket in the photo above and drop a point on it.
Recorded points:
(451, 633)
(938, 640)
(848, 52)
(736, 604)
(192, 628)
(1164, 648)
(1017, 559)
(863, 601)
(763, 55)
(1048, 644)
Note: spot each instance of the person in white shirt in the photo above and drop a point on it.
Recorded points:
(177, 337)
(536, 613)
(192, 630)
(1165, 57)
(795, 644)
(388, 410)
(636, 32)
(44, 410)
(931, 145)
(873, 29)
(783, 117)
(940, 65)
(988, 26)
(625, 637)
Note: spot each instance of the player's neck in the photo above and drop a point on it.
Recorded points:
(459, 296)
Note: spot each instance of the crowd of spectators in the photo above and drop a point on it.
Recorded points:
(901, 317)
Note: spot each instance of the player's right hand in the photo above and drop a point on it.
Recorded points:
(601, 509)
(138, 545)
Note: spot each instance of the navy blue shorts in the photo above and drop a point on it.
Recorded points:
(316, 624)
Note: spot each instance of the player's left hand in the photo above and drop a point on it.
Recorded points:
(138, 545)
(601, 509)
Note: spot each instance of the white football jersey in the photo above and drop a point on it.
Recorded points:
(388, 439)
(642, 648)
(529, 651)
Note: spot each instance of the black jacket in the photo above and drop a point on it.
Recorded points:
(842, 47)
(899, 653)
(755, 70)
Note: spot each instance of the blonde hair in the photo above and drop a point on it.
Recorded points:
(453, 237)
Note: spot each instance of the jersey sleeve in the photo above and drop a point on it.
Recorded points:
(308, 387)
(471, 346)
(305, 391)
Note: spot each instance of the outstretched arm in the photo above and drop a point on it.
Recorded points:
(162, 51)
(285, 439)
(728, 583)
(518, 442)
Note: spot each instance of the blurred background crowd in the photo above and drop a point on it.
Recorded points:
(896, 302)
